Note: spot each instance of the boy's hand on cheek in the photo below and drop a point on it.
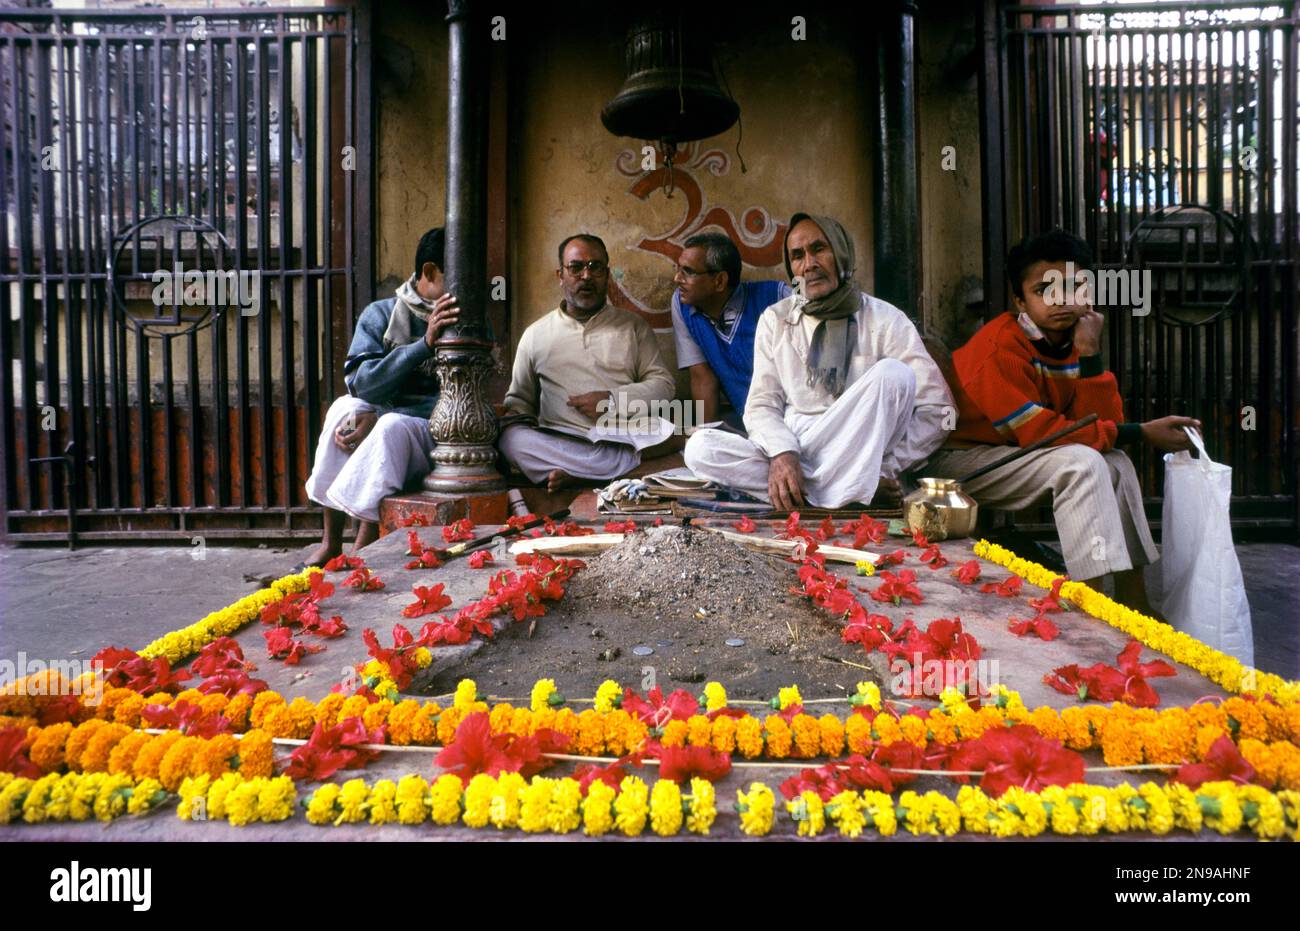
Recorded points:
(1087, 332)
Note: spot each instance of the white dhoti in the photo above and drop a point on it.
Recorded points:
(840, 450)
(393, 455)
(1096, 500)
(537, 453)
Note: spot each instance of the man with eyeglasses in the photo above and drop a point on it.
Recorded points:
(844, 396)
(715, 315)
(581, 360)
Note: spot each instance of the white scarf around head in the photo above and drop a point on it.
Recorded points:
(408, 308)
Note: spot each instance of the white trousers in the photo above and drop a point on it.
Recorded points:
(393, 455)
(537, 453)
(1096, 500)
(840, 450)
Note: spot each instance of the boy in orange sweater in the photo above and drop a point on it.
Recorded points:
(1033, 370)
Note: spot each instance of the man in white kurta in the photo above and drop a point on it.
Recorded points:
(806, 441)
(375, 440)
(583, 359)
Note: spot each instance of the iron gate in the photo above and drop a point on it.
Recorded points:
(1166, 134)
(141, 149)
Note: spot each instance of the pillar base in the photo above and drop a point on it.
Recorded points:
(438, 510)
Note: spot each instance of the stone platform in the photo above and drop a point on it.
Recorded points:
(1021, 665)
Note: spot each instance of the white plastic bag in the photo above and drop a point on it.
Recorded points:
(1203, 591)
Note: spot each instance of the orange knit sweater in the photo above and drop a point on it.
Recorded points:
(1015, 390)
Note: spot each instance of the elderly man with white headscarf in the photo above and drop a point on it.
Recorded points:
(844, 395)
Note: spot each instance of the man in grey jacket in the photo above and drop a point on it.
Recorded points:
(376, 438)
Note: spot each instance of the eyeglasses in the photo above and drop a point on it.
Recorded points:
(687, 272)
(595, 266)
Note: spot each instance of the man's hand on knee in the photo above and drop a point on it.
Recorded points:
(354, 428)
(785, 481)
(1167, 433)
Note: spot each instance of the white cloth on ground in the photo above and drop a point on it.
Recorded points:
(536, 453)
(840, 450)
(394, 454)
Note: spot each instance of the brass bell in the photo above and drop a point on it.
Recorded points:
(670, 93)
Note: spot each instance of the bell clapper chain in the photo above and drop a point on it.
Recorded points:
(670, 151)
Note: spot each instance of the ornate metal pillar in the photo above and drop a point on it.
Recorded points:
(463, 423)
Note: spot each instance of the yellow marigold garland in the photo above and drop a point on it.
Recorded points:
(76, 797)
(179, 644)
(237, 799)
(1215, 665)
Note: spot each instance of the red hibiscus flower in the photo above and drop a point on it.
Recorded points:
(680, 764)
(656, 710)
(1106, 683)
(1137, 691)
(427, 559)
(480, 558)
(1018, 756)
(281, 645)
(401, 664)
(871, 632)
(13, 754)
(414, 547)
(918, 538)
(1223, 762)
(745, 525)
(188, 718)
(476, 749)
(344, 561)
(458, 531)
(794, 529)
(865, 531)
(612, 774)
(891, 559)
(1041, 625)
(363, 581)
(520, 521)
(1007, 588)
(414, 520)
(232, 682)
(569, 528)
(331, 749)
(894, 588)
(932, 556)
(940, 656)
(126, 669)
(826, 529)
(620, 526)
(220, 655)
(1051, 602)
(333, 627)
(968, 572)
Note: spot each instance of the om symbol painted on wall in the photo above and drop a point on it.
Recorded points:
(757, 235)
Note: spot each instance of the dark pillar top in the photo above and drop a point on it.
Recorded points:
(467, 123)
(897, 245)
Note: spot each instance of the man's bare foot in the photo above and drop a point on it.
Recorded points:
(889, 494)
(367, 533)
(559, 479)
(322, 554)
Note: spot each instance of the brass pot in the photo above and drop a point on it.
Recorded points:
(940, 509)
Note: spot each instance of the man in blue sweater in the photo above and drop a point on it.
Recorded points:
(715, 316)
(376, 438)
